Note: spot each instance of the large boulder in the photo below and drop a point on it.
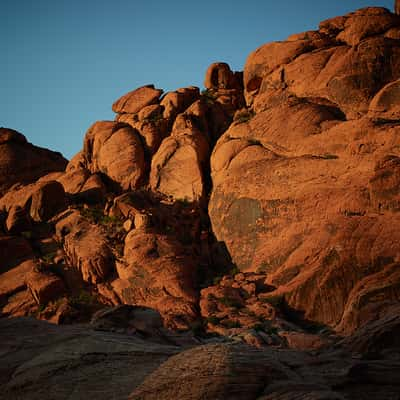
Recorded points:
(385, 105)
(85, 246)
(41, 200)
(44, 287)
(115, 149)
(47, 200)
(18, 221)
(157, 272)
(15, 299)
(134, 101)
(304, 196)
(178, 167)
(178, 101)
(72, 361)
(212, 372)
(22, 162)
(346, 62)
(309, 229)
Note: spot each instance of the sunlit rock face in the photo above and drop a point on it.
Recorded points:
(305, 190)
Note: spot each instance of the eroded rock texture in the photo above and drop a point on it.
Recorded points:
(22, 162)
(257, 218)
(305, 190)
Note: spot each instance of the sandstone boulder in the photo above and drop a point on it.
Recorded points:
(265, 227)
(85, 246)
(178, 168)
(378, 335)
(93, 191)
(73, 180)
(385, 104)
(44, 287)
(115, 149)
(130, 319)
(370, 299)
(13, 250)
(13, 280)
(219, 76)
(366, 22)
(178, 101)
(48, 362)
(157, 273)
(211, 372)
(134, 101)
(347, 75)
(22, 162)
(47, 200)
(18, 221)
(152, 131)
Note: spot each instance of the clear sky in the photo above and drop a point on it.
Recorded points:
(64, 62)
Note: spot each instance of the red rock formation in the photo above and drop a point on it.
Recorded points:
(115, 150)
(22, 162)
(86, 247)
(303, 195)
(134, 101)
(157, 273)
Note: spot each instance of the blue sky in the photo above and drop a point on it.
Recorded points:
(65, 62)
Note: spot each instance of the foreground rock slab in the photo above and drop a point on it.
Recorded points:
(44, 361)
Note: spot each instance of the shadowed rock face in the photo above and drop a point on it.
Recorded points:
(48, 362)
(22, 162)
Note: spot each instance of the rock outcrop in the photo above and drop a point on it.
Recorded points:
(239, 242)
(115, 150)
(304, 189)
(86, 247)
(157, 273)
(22, 162)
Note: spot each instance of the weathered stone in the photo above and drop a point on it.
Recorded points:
(115, 149)
(44, 287)
(22, 162)
(128, 225)
(366, 22)
(47, 200)
(218, 76)
(134, 101)
(85, 247)
(18, 221)
(178, 167)
(158, 274)
(211, 372)
(13, 250)
(177, 102)
(131, 319)
(385, 105)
